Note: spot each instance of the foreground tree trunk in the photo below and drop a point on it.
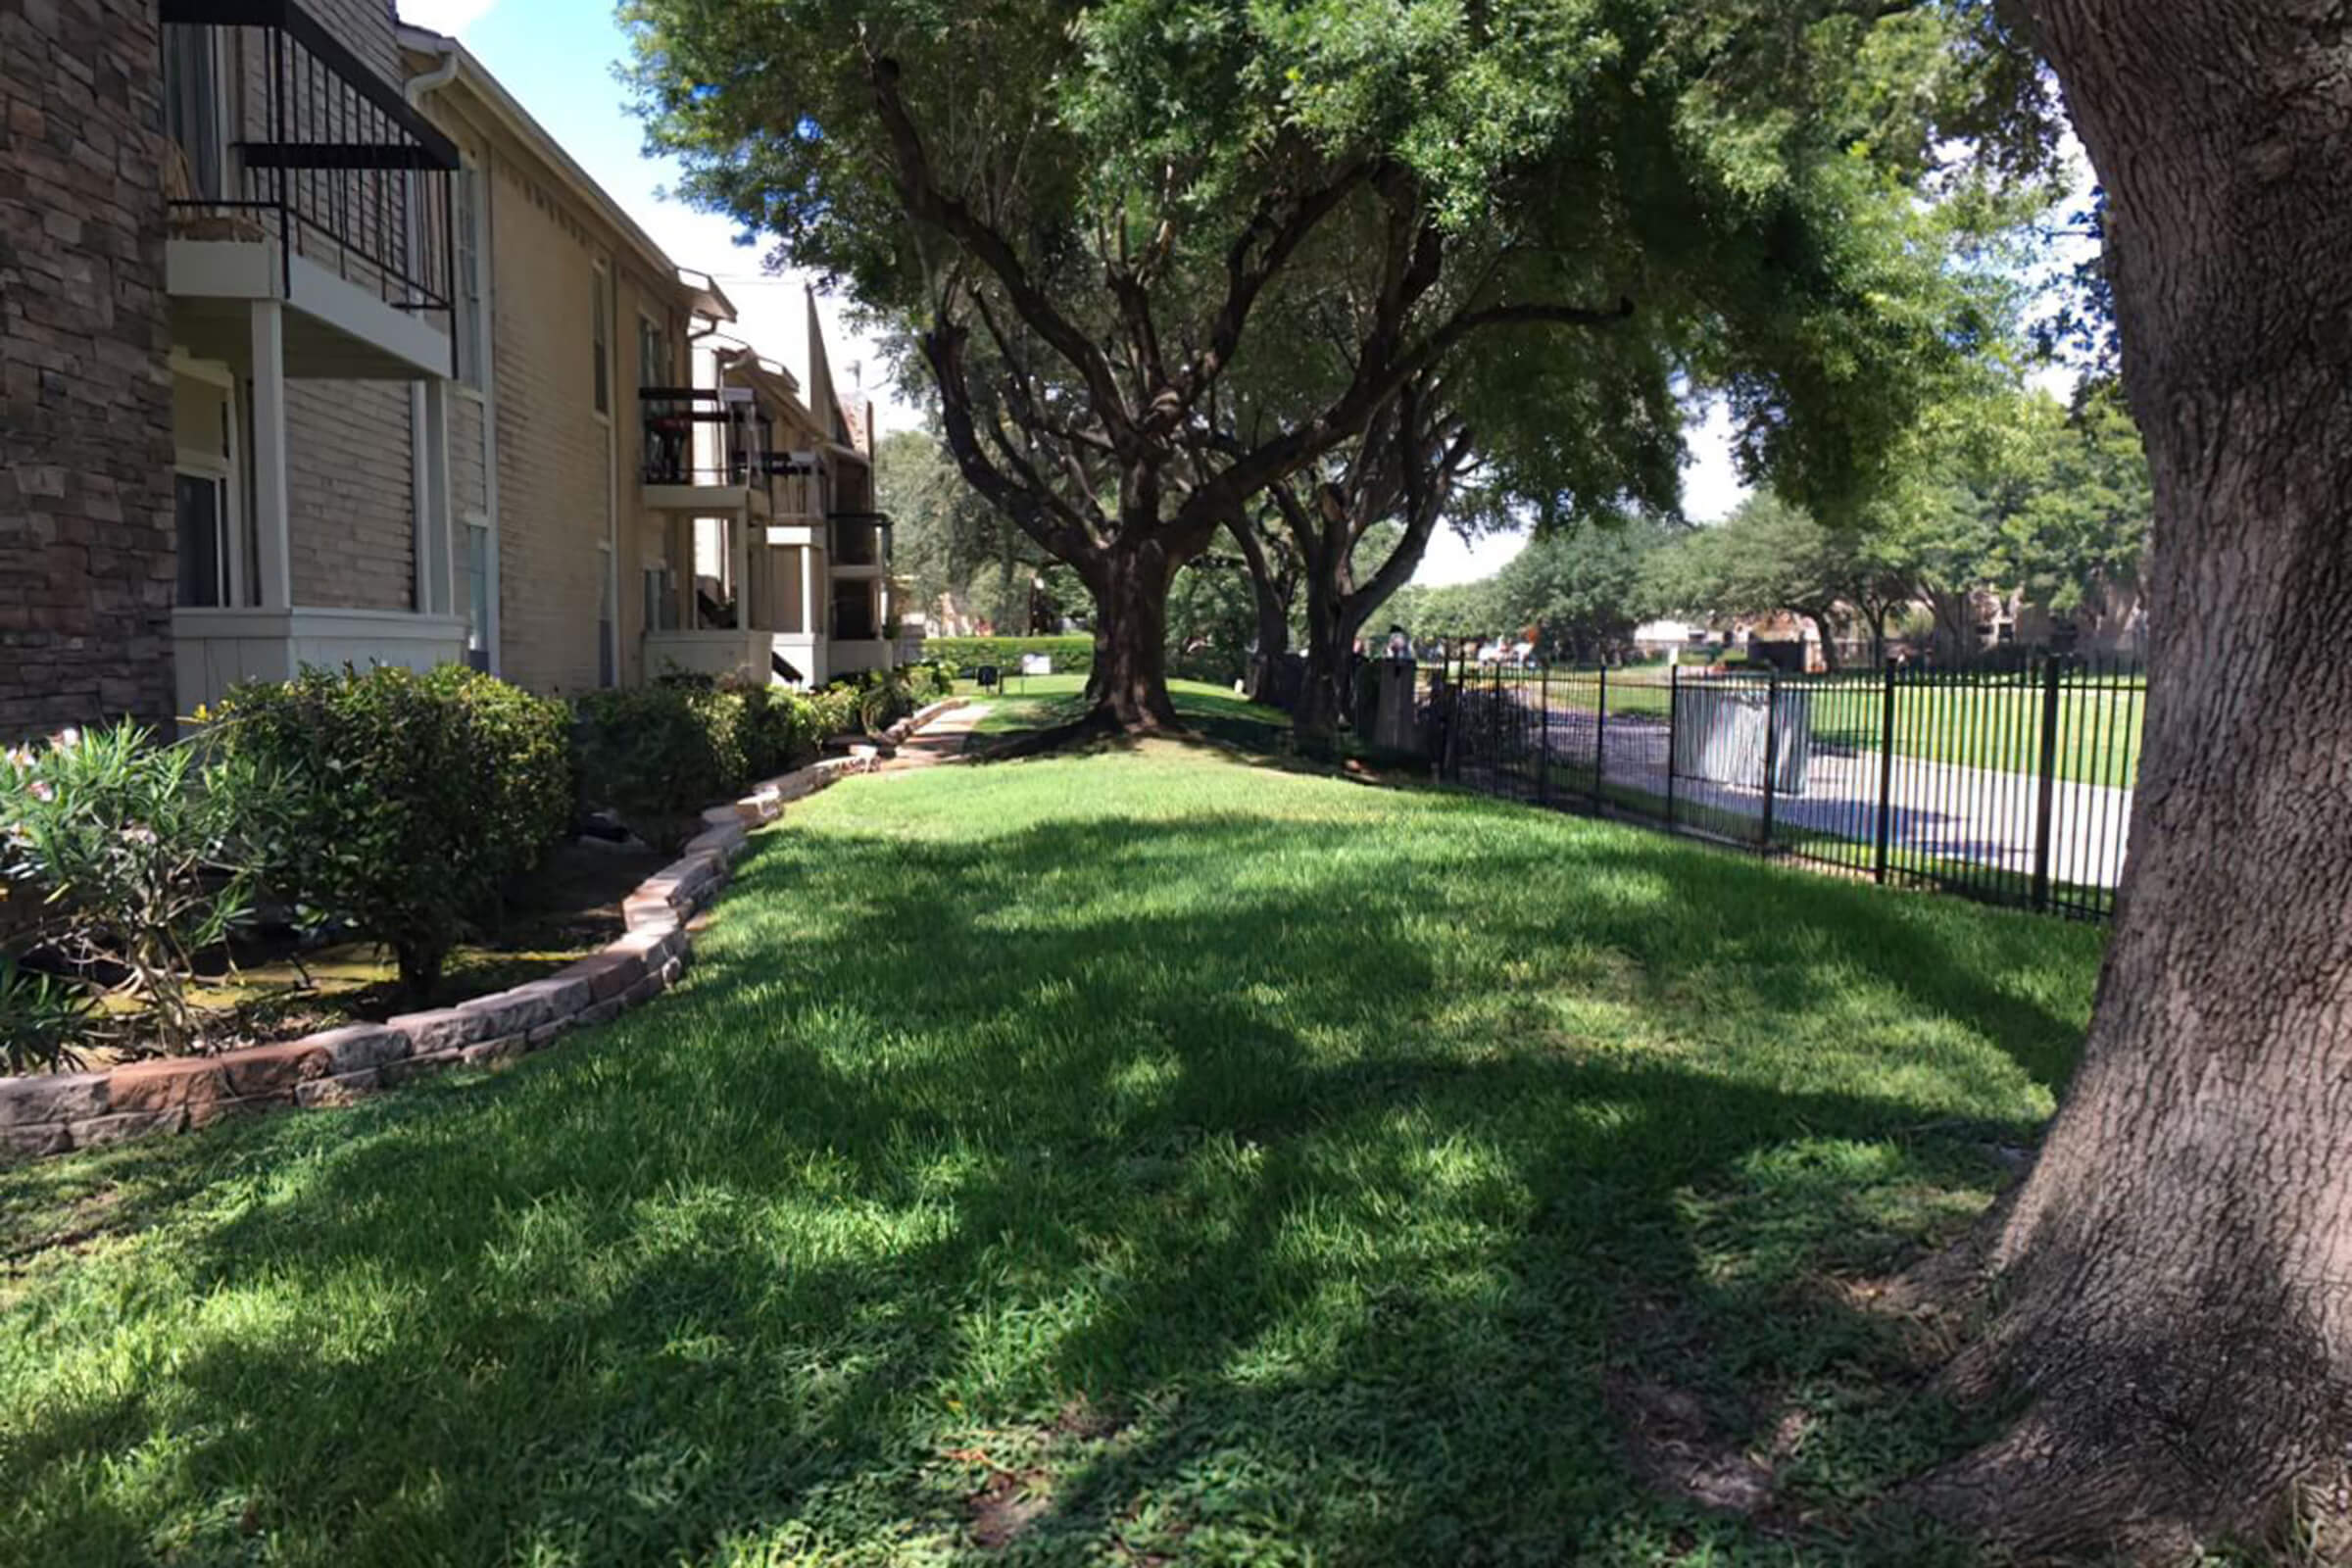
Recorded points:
(2176, 1271)
(1130, 581)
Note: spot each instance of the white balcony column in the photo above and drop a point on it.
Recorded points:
(274, 549)
(739, 566)
(809, 590)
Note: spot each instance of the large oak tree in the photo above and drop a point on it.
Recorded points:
(1084, 208)
(2176, 1270)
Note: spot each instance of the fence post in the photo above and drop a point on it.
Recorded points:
(1674, 717)
(1772, 748)
(2044, 804)
(1600, 734)
(1886, 775)
(1544, 740)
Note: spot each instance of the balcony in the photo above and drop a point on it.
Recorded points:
(861, 544)
(704, 452)
(294, 174)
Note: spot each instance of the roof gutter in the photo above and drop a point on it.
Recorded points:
(432, 43)
(458, 59)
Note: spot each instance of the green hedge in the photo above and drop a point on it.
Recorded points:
(408, 803)
(659, 754)
(1217, 667)
(1071, 656)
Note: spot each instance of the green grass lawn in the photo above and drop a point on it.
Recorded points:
(1142, 1158)
(1038, 702)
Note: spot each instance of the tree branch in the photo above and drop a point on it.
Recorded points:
(927, 201)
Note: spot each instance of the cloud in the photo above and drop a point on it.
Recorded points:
(449, 18)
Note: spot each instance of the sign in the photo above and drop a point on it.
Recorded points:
(1037, 663)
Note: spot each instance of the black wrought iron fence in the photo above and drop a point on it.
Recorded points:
(2013, 787)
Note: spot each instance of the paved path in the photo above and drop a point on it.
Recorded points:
(1979, 816)
(938, 741)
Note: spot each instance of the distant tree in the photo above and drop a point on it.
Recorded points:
(1084, 210)
(2078, 545)
(1586, 589)
(1453, 612)
(1766, 557)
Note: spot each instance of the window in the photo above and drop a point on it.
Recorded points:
(606, 651)
(192, 107)
(661, 599)
(471, 346)
(478, 596)
(600, 340)
(201, 507)
(653, 352)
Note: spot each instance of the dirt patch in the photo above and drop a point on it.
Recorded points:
(1677, 1450)
(267, 988)
(1080, 1420)
(1006, 1504)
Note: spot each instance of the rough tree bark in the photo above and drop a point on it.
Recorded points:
(1825, 627)
(2176, 1270)
(1130, 584)
(1263, 681)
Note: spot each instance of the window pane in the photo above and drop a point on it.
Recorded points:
(605, 675)
(601, 374)
(197, 502)
(190, 106)
(478, 596)
(470, 289)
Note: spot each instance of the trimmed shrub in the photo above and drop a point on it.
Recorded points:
(658, 754)
(933, 678)
(410, 802)
(139, 856)
(778, 729)
(1071, 656)
(1217, 667)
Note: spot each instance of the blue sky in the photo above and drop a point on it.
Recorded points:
(556, 58)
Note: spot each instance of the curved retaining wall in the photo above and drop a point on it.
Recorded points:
(54, 1114)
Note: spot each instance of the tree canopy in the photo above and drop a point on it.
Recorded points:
(1089, 213)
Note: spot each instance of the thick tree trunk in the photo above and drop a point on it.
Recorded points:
(1322, 696)
(1826, 630)
(1332, 623)
(2177, 1272)
(1264, 681)
(1130, 582)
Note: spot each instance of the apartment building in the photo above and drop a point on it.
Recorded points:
(224, 309)
(777, 565)
(564, 310)
(317, 350)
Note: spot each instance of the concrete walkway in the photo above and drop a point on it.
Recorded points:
(939, 741)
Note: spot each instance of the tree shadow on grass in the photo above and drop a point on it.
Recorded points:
(1102, 1190)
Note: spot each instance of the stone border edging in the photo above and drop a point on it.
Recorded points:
(56, 1113)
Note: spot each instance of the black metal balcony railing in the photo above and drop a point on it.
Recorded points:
(741, 454)
(281, 133)
(671, 415)
(861, 538)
